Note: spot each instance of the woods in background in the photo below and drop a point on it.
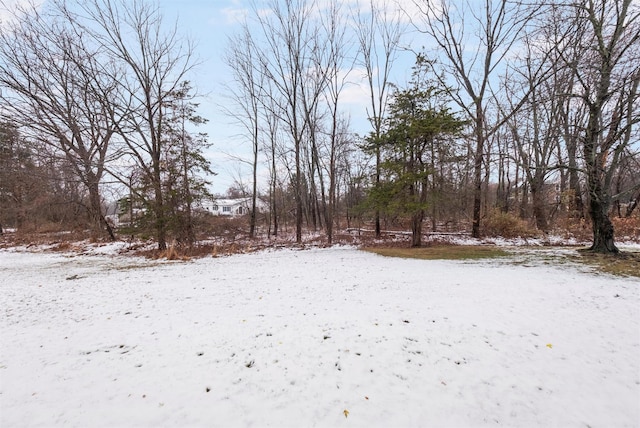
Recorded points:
(515, 113)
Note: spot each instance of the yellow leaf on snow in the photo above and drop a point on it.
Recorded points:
(549, 345)
(346, 413)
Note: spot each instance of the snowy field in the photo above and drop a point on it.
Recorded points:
(315, 338)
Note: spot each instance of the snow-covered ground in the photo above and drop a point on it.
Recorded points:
(322, 337)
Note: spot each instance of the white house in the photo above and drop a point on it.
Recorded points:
(228, 207)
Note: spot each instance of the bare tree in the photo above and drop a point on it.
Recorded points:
(606, 35)
(536, 128)
(51, 76)
(379, 31)
(337, 69)
(497, 26)
(289, 61)
(247, 96)
(155, 59)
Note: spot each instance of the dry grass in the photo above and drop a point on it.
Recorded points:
(622, 264)
(441, 252)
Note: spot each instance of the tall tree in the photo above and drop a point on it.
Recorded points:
(184, 163)
(154, 60)
(474, 39)
(292, 62)
(607, 35)
(536, 128)
(338, 68)
(247, 96)
(379, 30)
(418, 121)
(51, 75)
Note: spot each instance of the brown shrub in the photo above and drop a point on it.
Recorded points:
(579, 229)
(626, 227)
(506, 225)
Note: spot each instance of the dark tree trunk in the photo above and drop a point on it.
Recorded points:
(377, 213)
(416, 229)
(539, 211)
(599, 199)
(602, 229)
(159, 210)
(95, 208)
(477, 173)
(632, 206)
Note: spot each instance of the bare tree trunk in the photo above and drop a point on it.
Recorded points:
(617, 32)
(539, 211)
(379, 35)
(632, 206)
(497, 27)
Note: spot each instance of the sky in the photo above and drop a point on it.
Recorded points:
(209, 23)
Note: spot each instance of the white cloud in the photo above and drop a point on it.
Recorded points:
(8, 7)
(235, 14)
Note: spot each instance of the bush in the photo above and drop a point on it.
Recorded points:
(506, 225)
(626, 228)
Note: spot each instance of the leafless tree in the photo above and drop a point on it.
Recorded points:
(379, 31)
(51, 77)
(337, 68)
(154, 59)
(496, 26)
(606, 35)
(536, 128)
(247, 96)
(291, 61)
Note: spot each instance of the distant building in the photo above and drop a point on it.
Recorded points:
(228, 207)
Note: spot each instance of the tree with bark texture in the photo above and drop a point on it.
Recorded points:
(379, 32)
(496, 26)
(54, 92)
(606, 34)
(154, 60)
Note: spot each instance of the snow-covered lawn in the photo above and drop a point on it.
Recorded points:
(321, 337)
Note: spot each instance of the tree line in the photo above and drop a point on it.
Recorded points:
(97, 91)
(512, 108)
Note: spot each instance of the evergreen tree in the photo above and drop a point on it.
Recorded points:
(417, 123)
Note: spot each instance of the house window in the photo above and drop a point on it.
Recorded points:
(239, 210)
(214, 208)
(226, 209)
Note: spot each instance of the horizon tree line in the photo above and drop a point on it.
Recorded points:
(507, 100)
